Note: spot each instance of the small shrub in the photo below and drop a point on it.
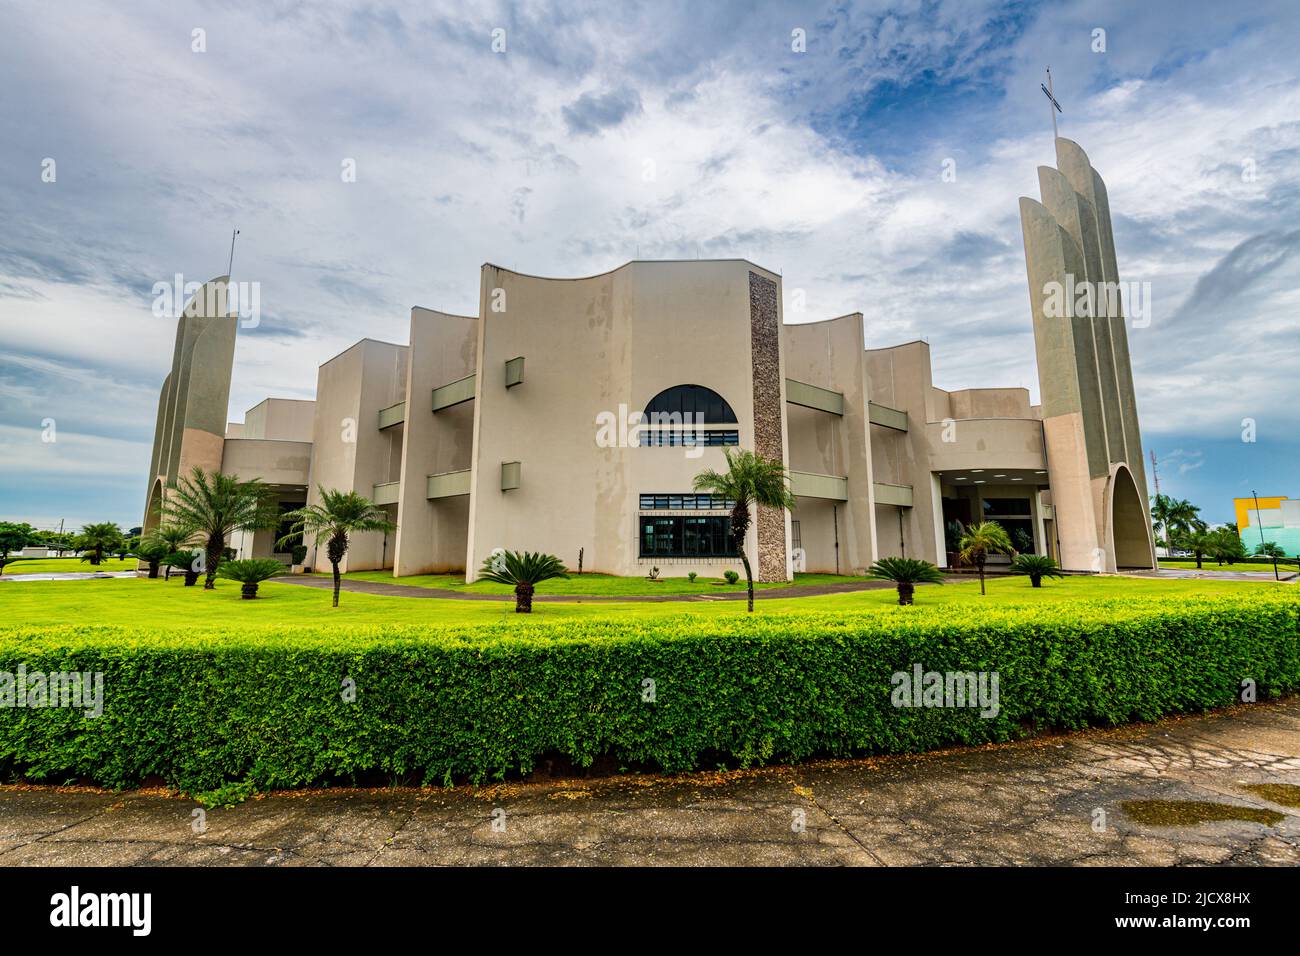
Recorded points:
(731, 576)
(906, 573)
(1035, 567)
(692, 576)
(190, 562)
(524, 570)
(250, 572)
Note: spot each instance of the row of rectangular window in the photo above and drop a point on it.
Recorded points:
(673, 438)
(704, 536)
(685, 502)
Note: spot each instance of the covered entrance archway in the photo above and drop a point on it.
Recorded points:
(1129, 529)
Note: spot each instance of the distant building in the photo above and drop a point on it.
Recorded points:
(573, 414)
(1275, 519)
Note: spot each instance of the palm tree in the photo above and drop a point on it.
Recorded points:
(1184, 518)
(339, 514)
(906, 573)
(1160, 507)
(172, 537)
(1270, 549)
(98, 539)
(215, 506)
(188, 562)
(750, 479)
(1199, 542)
(1036, 567)
(151, 553)
(250, 573)
(980, 540)
(524, 570)
(1226, 545)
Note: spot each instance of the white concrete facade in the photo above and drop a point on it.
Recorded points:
(552, 421)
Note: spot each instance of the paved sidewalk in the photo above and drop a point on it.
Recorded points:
(1031, 802)
(67, 576)
(1215, 574)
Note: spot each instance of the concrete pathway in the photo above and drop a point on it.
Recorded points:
(67, 576)
(1214, 574)
(326, 582)
(1057, 800)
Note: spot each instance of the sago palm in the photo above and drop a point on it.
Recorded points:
(978, 541)
(524, 570)
(151, 552)
(189, 563)
(339, 515)
(750, 480)
(173, 537)
(99, 539)
(250, 572)
(1035, 567)
(215, 506)
(906, 573)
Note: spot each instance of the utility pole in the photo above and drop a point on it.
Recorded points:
(1260, 520)
(1155, 477)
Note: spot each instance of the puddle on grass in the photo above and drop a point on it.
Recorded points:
(1287, 794)
(1172, 813)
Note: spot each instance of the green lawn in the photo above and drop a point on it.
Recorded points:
(1209, 564)
(170, 605)
(593, 584)
(66, 565)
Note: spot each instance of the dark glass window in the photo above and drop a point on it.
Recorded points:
(685, 536)
(1021, 533)
(661, 502)
(1006, 506)
(285, 528)
(688, 437)
(702, 404)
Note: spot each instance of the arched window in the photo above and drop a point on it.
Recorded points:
(703, 405)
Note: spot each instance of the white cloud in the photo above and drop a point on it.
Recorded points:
(464, 156)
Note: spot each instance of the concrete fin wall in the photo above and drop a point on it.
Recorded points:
(1085, 377)
(829, 355)
(432, 535)
(190, 426)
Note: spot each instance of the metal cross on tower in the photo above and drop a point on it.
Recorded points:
(1055, 107)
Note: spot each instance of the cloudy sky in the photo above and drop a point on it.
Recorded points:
(606, 132)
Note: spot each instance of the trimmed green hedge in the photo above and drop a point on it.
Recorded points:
(202, 710)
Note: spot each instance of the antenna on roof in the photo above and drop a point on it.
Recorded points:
(231, 264)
